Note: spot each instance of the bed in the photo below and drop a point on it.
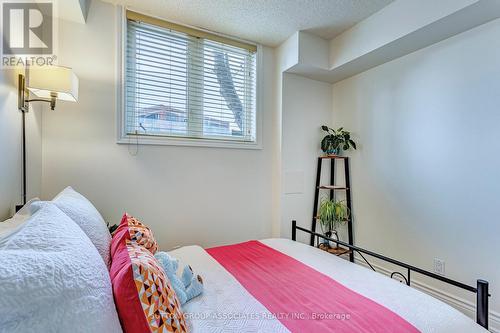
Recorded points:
(61, 271)
(227, 306)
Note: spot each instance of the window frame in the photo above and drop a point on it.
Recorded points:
(124, 138)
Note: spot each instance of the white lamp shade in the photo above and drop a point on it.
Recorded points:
(54, 79)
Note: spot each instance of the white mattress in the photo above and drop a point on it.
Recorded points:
(225, 305)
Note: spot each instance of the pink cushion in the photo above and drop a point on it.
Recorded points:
(133, 229)
(144, 298)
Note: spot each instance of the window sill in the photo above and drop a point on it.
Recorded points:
(186, 142)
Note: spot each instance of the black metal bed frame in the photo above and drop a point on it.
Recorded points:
(481, 290)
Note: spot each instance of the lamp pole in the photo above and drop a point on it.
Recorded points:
(23, 108)
(18, 207)
(24, 157)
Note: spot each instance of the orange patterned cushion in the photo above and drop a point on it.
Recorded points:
(133, 229)
(144, 297)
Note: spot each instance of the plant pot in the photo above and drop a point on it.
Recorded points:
(333, 152)
(333, 234)
(326, 241)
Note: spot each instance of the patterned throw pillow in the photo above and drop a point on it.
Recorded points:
(144, 297)
(134, 230)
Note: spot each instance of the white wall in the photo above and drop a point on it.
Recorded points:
(425, 179)
(187, 195)
(11, 146)
(307, 105)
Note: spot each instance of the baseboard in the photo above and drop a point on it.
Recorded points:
(464, 306)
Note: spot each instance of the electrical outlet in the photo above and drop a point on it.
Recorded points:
(439, 265)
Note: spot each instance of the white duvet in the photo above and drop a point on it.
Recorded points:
(225, 306)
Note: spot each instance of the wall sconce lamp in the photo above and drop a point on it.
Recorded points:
(48, 84)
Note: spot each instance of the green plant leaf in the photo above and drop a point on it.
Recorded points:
(337, 139)
(332, 213)
(325, 143)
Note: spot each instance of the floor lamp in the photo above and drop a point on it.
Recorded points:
(48, 84)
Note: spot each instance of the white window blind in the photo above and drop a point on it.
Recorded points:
(178, 84)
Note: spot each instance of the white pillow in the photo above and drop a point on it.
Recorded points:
(86, 217)
(52, 278)
(19, 218)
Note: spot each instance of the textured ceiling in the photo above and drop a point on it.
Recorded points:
(269, 22)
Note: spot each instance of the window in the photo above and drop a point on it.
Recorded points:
(187, 84)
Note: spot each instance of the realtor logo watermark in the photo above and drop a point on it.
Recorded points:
(28, 33)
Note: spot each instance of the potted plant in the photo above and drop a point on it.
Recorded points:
(336, 140)
(331, 215)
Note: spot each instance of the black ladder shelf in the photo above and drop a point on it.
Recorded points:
(332, 187)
